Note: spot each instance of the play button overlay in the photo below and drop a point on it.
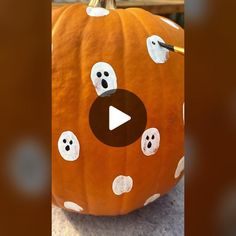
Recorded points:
(118, 119)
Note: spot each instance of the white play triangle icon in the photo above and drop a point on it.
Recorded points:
(117, 118)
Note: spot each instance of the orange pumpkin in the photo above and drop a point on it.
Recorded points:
(94, 178)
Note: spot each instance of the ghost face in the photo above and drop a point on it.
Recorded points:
(150, 141)
(156, 52)
(103, 78)
(68, 146)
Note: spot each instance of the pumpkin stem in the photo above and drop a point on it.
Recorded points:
(108, 4)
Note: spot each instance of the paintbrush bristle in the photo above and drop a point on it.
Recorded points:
(167, 46)
(172, 48)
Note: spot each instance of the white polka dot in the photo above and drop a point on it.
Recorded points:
(169, 22)
(150, 141)
(73, 206)
(179, 168)
(103, 78)
(122, 184)
(97, 11)
(152, 199)
(157, 53)
(68, 146)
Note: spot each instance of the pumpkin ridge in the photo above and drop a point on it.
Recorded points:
(135, 18)
(123, 59)
(167, 31)
(139, 20)
(67, 8)
(56, 14)
(161, 154)
(80, 73)
(79, 77)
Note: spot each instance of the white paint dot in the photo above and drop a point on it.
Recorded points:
(68, 146)
(157, 53)
(73, 206)
(180, 168)
(169, 22)
(97, 11)
(150, 141)
(152, 199)
(122, 184)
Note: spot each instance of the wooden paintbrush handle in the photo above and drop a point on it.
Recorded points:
(179, 50)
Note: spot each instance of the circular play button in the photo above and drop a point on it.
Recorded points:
(118, 118)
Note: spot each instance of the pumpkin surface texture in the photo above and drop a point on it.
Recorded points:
(95, 50)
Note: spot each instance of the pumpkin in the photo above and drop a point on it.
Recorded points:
(88, 176)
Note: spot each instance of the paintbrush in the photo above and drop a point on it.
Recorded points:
(172, 48)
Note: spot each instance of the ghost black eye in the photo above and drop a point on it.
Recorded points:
(64, 140)
(71, 142)
(106, 73)
(153, 136)
(99, 74)
(153, 43)
(147, 137)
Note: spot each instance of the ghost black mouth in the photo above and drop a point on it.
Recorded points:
(67, 148)
(149, 144)
(104, 83)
